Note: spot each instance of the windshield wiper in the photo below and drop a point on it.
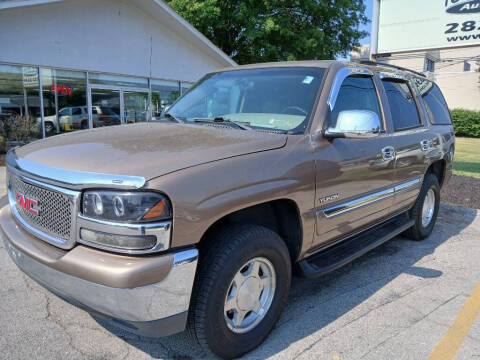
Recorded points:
(220, 120)
(173, 118)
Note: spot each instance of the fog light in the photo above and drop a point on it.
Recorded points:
(125, 242)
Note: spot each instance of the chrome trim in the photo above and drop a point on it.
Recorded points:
(350, 205)
(358, 203)
(74, 197)
(161, 230)
(185, 257)
(156, 301)
(389, 153)
(408, 185)
(340, 76)
(355, 124)
(73, 179)
(392, 75)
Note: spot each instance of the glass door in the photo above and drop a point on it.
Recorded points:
(135, 106)
(113, 105)
(106, 106)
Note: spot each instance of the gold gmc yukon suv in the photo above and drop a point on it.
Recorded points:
(198, 220)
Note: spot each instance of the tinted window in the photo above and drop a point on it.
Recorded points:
(277, 99)
(77, 111)
(402, 104)
(437, 108)
(63, 112)
(356, 93)
(107, 111)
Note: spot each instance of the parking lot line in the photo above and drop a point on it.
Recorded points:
(453, 339)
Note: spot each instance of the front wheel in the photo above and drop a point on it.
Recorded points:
(425, 209)
(241, 288)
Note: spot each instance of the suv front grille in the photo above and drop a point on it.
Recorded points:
(54, 208)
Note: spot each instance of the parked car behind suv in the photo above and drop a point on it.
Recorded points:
(197, 221)
(76, 117)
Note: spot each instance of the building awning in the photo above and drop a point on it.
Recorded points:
(158, 10)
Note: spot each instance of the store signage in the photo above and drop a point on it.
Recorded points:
(462, 7)
(30, 77)
(408, 25)
(61, 90)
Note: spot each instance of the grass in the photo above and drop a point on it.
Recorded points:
(467, 157)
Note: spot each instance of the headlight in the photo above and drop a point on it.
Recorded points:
(131, 207)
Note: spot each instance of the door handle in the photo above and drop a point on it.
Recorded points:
(425, 145)
(388, 153)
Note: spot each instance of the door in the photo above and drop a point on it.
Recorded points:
(354, 177)
(112, 105)
(135, 106)
(412, 140)
(106, 106)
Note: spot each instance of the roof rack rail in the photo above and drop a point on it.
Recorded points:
(374, 63)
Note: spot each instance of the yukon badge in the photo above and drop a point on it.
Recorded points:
(27, 203)
(329, 198)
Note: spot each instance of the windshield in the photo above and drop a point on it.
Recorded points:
(279, 99)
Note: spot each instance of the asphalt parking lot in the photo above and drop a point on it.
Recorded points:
(400, 301)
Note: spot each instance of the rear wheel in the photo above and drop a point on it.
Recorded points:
(48, 127)
(241, 287)
(425, 209)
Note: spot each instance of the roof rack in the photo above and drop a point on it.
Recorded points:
(374, 63)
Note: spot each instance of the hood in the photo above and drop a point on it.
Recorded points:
(146, 149)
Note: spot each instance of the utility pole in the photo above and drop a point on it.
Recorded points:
(375, 27)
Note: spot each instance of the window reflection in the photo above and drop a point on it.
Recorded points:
(164, 93)
(117, 80)
(135, 106)
(185, 87)
(105, 107)
(19, 106)
(64, 101)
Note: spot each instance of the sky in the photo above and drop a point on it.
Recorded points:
(367, 27)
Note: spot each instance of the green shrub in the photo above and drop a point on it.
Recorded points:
(466, 122)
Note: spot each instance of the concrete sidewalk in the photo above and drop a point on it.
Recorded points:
(396, 302)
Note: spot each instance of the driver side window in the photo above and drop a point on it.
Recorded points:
(356, 93)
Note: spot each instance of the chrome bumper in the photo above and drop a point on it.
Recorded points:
(140, 309)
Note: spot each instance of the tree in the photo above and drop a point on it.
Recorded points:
(252, 31)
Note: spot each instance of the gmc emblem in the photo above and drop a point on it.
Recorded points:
(27, 203)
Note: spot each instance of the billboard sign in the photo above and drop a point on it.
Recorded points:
(408, 25)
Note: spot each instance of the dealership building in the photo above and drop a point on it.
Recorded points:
(70, 65)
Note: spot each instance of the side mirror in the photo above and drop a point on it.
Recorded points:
(356, 124)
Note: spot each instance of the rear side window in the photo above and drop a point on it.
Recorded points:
(402, 104)
(77, 111)
(356, 93)
(434, 101)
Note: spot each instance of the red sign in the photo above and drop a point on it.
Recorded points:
(61, 89)
(26, 203)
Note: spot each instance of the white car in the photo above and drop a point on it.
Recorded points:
(76, 117)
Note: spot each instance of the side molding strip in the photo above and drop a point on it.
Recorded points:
(351, 205)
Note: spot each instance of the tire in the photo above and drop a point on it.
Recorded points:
(48, 127)
(420, 230)
(220, 261)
